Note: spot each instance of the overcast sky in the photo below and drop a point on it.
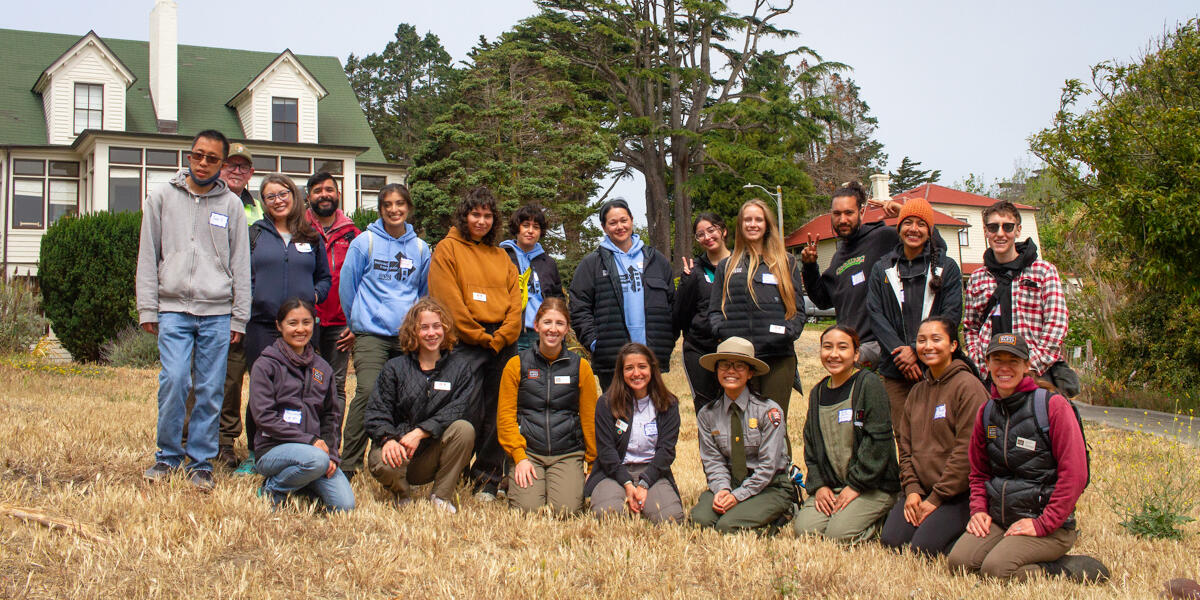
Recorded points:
(956, 85)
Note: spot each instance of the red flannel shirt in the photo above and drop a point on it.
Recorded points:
(1039, 314)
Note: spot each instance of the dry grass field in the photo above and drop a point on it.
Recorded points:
(73, 446)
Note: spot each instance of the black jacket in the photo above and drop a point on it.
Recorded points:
(873, 465)
(690, 311)
(405, 398)
(547, 412)
(279, 272)
(895, 325)
(761, 322)
(843, 286)
(547, 272)
(611, 447)
(598, 310)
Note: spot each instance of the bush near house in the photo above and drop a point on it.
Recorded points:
(86, 271)
(364, 217)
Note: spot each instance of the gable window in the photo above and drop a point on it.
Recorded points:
(89, 106)
(285, 119)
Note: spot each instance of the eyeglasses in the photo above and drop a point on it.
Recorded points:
(994, 227)
(201, 158)
(283, 195)
(237, 168)
(710, 232)
(732, 365)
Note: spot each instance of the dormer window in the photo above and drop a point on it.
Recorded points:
(89, 106)
(285, 119)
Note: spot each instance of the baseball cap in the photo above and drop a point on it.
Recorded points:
(239, 150)
(1011, 343)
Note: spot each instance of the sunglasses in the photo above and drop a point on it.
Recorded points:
(994, 227)
(202, 158)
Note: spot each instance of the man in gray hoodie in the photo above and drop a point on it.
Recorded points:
(193, 291)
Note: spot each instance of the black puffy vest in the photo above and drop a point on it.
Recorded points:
(548, 403)
(1022, 478)
(746, 318)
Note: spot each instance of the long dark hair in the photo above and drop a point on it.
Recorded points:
(950, 327)
(620, 397)
(297, 220)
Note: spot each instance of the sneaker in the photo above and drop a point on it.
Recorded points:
(247, 466)
(1080, 568)
(276, 498)
(484, 496)
(158, 472)
(226, 457)
(202, 479)
(446, 505)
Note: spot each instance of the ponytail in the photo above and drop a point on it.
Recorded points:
(852, 189)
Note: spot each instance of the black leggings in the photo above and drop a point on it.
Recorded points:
(937, 532)
(489, 456)
(704, 384)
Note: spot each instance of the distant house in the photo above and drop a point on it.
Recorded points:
(958, 216)
(90, 124)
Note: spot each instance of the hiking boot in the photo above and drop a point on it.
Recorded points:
(485, 496)
(158, 472)
(445, 505)
(202, 479)
(1182, 588)
(226, 458)
(1079, 568)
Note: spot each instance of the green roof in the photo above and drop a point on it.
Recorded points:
(208, 78)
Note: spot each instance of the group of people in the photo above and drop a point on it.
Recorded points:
(464, 370)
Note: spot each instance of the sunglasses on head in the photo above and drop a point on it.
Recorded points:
(994, 227)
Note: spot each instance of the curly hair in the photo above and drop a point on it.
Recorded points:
(480, 197)
(528, 212)
(410, 340)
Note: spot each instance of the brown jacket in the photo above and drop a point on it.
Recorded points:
(935, 432)
(477, 283)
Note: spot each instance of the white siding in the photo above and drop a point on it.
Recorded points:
(23, 246)
(976, 243)
(87, 66)
(284, 81)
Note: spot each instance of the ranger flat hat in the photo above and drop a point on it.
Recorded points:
(735, 348)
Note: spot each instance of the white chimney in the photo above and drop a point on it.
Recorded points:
(164, 64)
(879, 186)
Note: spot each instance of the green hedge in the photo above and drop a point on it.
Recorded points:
(86, 271)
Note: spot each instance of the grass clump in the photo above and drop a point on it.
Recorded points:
(132, 347)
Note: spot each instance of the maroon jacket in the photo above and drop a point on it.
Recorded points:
(1066, 443)
(293, 400)
(337, 243)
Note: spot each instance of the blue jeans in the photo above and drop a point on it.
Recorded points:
(291, 468)
(179, 336)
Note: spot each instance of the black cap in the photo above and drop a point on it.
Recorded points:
(1011, 343)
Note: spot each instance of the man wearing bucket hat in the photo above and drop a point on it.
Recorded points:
(743, 446)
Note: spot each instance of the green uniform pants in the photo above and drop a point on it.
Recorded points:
(754, 512)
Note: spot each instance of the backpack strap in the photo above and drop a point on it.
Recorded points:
(254, 233)
(370, 245)
(1041, 410)
(987, 412)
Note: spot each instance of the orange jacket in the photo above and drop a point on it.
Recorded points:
(477, 283)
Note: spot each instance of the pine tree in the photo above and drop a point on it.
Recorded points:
(909, 176)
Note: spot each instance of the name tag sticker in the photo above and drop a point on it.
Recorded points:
(291, 415)
(939, 412)
(621, 426)
(1026, 444)
(857, 278)
(651, 428)
(406, 263)
(304, 247)
(778, 329)
(479, 297)
(845, 415)
(441, 386)
(769, 279)
(218, 219)
(562, 379)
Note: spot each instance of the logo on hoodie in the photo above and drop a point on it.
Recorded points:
(397, 269)
(633, 279)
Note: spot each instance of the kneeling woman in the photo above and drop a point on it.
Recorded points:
(416, 417)
(743, 446)
(848, 449)
(294, 402)
(934, 432)
(1028, 468)
(637, 425)
(545, 417)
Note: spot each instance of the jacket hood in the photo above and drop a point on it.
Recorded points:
(864, 230)
(378, 228)
(532, 254)
(456, 235)
(340, 221)
(1028, 384)
(956, 366)
(180, 181)
(1027, 253)
(633, 249)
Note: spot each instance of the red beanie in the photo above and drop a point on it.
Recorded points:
(919, 208)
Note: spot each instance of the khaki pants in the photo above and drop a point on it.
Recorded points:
(441, 461)
(559, 484)
(1015, 556)
(858, 521)
(756, 511)
(662, 501)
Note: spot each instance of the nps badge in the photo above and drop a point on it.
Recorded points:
(753, 423)
(775, 416)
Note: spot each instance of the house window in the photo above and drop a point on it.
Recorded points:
(328, 165)
(266, 164)
(368, 190)
(289, 164)
(124, 189)
(964, 234)
(135, 173)
(125, 156)
(89, 106)
(41, 200)
(285, 119)
(162, 158)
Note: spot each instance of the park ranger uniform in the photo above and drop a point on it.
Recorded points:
(743, 447)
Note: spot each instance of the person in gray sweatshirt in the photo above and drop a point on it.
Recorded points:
(193, 292)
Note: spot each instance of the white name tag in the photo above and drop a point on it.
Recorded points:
(218, 219)
(638, 266)
(1026, 444)
(562, 379)
(406, 263)
(778, 329)
(857, 278)
(939, 412)
(995, 311)
(443, 386)
(845, 415)
(291, 415)
(769, 279)
(478, 297)
(303, 247)
(621, 426)
(651, 429)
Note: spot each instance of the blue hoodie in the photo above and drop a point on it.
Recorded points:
(630, 265)
(377, 290)
(534, 287)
